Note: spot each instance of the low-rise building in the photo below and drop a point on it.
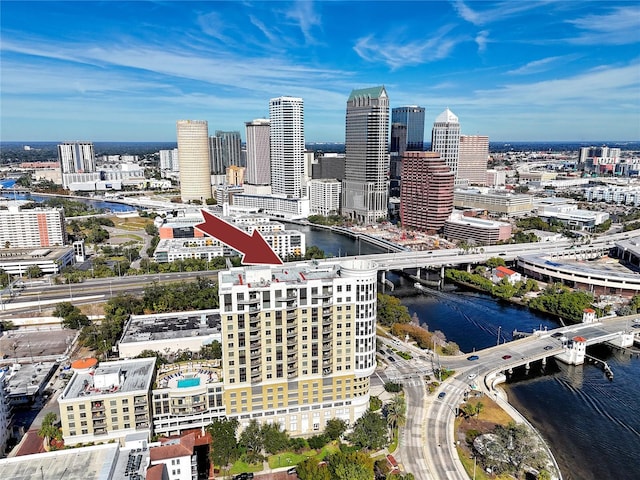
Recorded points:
(16, 261)
(493, 201)
(187, 395)
(107, 403)
(499, 273)
(476, 231)
(169, 333)
(571, 216)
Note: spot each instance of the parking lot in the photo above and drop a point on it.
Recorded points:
(24, 344)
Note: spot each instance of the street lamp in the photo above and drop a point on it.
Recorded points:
(499, 328)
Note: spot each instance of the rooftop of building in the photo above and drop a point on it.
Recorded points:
(446, 117)
(27, 378)
(476, 222)
(297, 273)
(99, 462)
(145, 328)
(125, 376)
(31, 253)
(174, 448)
(600, 268)
(372, 92)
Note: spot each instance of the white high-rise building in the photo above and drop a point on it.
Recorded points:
(474, 155)
(324, 195)
(287, 146)
(258, 152)
(77, 157)
(195, 166)
(445, 139)
(38, 227)
(364, 189)
(169, 160)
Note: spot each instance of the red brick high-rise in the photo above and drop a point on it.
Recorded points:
(426, 195)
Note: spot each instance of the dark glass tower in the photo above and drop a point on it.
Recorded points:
(413, 117)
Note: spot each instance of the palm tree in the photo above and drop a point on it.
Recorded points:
(397, 412)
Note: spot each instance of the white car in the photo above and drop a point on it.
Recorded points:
(471, 376)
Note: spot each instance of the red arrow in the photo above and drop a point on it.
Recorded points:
(255, 250)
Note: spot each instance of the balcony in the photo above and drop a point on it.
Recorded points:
(254, 345)
(326, 363)
(254, 330)
(289, 297)
(100, 431)
(292, 315)
(291, 342)
(140, 401)
(326, 348)
(292, 358)
(323, 294)
(140, 426)
(292, 332)
(98, 415)
(254, 355)
(140, 409)
(249, 301)
(99, 423)
(291, 375)
(327, 321)
(97, 407)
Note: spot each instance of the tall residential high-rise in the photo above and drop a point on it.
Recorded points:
(169, 160)
(413, 118)
(287, 146)
(77, 157)
(364, 192)
(426, 196)
(225, 149)
(195, 167)
(445, 139)
(300, 342)
(474, 155)
(32, 227)
(258, 152)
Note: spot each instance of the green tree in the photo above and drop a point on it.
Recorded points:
(224, 447)
(5, 278)
(391, 311)
(494, 262)
(335, 427)
(49, 430)
(369, 431)
(276, 439)
(396, 412)
(309, 469)
(252, 439)
(212, 351)
(34, 271)
(516, 444)
(350, 466)
(314, 252)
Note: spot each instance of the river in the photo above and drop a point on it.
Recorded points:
(592, 424)
(99, 204)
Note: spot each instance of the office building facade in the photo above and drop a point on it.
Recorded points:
(258, 152)
(364, 189)
(445, 139)
(299, 342)
(324, 195)
(287, 146)
(426, 197)
(412, 117)
(195, 167)
(473, 158)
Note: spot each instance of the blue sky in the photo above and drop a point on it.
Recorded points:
(126, 71)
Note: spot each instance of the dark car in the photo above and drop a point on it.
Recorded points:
(442, 395)
(473, 357)
(556, 335)
(548, 347)
(391, 359)
(243, 476)
(506, 357)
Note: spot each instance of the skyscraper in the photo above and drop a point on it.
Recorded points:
(474, 154)
(445, 139)
(413, 118)
(287, 146)
(258, 154)
(364, 192)
(225, 148)
(77, 157)
(426, 197)
(195, 167)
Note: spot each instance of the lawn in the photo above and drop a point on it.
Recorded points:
(130, 223)
(288, 459)
(241, 467)
(131, 236)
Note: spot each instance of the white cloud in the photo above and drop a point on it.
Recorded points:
(482, 38)
(416, 52)
(619, 27)
(306, 18)
(541, 65)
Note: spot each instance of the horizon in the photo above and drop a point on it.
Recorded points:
(130, 70)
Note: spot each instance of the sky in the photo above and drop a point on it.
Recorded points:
(127, 71)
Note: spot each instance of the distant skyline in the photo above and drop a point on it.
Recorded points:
(127, 71)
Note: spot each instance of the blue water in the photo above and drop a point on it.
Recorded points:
(98, 204)
(188, 382)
